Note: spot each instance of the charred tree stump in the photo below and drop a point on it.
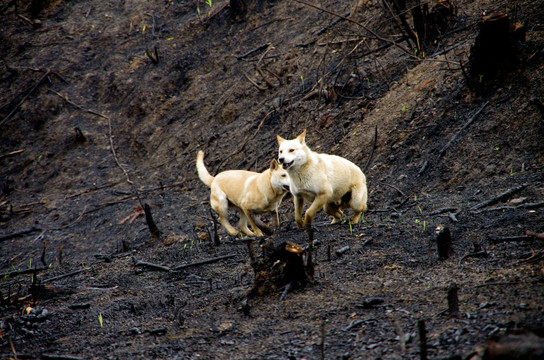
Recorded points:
(238, 9)
(453, 300)
(422, 339)
(494, 52)
(150, 223)
(444, 243)
(282, 267)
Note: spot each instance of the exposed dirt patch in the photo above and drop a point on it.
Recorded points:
(88, 77)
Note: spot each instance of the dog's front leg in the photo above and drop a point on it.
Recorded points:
(299, 204)
(318, 203)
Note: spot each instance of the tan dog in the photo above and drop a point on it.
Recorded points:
(327, 181)
(248, 191)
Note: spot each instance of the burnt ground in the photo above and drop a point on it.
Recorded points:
(87, 77)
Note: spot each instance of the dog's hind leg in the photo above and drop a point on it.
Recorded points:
(220, 204)
(358, 202)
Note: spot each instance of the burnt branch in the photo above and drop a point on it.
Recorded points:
(150, 266)
(500, 197)
(203, 262)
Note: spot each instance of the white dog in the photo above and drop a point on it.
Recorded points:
(248, 191)
(327, 181)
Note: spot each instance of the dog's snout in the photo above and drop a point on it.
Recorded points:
(281, 160)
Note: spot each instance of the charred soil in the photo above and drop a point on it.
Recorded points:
(104, 106)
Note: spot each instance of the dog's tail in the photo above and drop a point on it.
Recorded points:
(203, 173)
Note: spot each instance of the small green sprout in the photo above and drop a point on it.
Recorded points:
(302, 81)
(404, 109)
(100, 319)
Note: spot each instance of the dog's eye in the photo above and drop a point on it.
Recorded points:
(283, 175)
(291, 150)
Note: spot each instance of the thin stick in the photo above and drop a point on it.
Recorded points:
(372, 151)
(203, 262)
(65, 275)
(254, 83)
(150, 265)
(467, 124)
(19, 233)
(11, 154)
(258, 48)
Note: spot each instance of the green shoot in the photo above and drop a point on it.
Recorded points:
(100, 319)
(302, 81)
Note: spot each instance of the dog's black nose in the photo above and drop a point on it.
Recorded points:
(280, 160)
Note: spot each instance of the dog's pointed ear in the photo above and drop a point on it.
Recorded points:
(302, 137)
(280, 139)
(273, 164)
